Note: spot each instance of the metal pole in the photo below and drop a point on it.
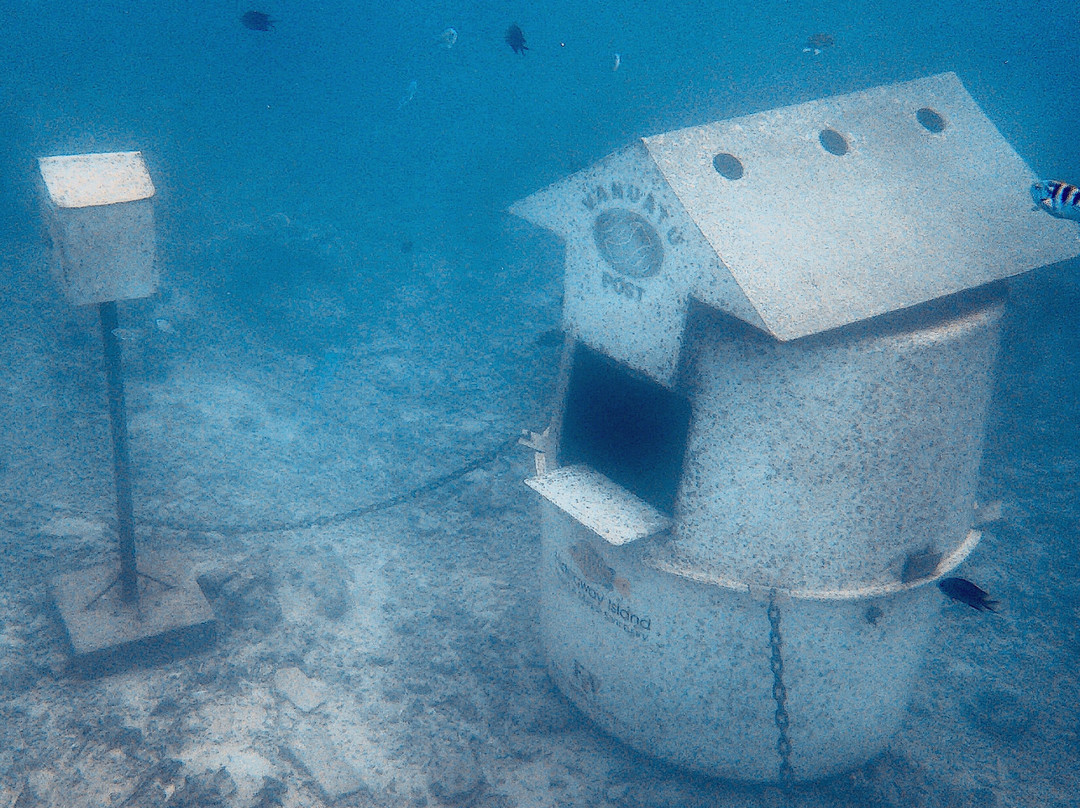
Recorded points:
(114, 373)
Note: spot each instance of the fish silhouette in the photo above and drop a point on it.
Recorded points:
(820, 41)
(1057, 198)
(965, 591)
(258, 21)
(448, 38)
(515, 38)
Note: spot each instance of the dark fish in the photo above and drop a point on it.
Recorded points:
(1057, 198)
(515, 38)
(965, 591)
(258, 21)
(820, 41)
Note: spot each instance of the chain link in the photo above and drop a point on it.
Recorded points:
(779, 690)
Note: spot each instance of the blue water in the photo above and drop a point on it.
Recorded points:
(348, 335)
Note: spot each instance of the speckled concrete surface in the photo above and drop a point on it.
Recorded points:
(422, 620)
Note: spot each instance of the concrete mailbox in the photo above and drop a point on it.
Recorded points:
(782, 332)
(100, 215)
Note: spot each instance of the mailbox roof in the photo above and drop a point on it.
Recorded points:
(816, 240)
(85, 180)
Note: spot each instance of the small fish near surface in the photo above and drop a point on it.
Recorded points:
(448, 38)
(257, 21)
(410, 94)
(515, 38)
(1057, 198)
(816, 43)
(965, 591)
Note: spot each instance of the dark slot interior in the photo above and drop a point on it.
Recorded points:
(626, 426)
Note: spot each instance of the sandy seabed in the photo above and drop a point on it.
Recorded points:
(392, 657)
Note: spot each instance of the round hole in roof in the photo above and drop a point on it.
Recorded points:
(728, 166)
(833, 142)
(931, 120)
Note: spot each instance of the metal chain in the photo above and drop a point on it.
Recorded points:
(779, 690)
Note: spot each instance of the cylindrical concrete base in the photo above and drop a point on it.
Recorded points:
(685, 671)
(775, 634)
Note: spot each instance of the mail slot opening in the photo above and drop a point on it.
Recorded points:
(626, 426)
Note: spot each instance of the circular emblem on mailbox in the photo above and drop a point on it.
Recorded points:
(628, 242)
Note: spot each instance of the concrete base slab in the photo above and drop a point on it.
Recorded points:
(313, 750)
(171, 619)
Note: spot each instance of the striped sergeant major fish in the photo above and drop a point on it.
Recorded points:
(1057, 198)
